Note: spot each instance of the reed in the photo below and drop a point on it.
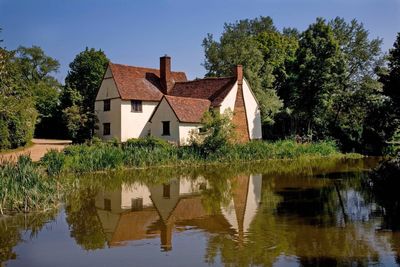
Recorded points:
(150, 152)
(25, 187)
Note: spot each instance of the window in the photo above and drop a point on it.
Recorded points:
(137, 204)
(202, 130)
(136, 106)
(166, 190)
(165, 128)
(106, 128)
(107, 104)
(107, 204)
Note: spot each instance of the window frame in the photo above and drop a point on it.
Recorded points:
(104, 129)
(166, 133)
(136, 106)
(108, 106)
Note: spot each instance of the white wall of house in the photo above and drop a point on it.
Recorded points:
(252, 112)
(134, 191)
(253, 200)
(135, 124)
(165, 113)
(113, 116)
(229, 101)
(185, 131)
(108, 90)
(189, 186)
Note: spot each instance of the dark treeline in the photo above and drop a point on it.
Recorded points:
(331, 81)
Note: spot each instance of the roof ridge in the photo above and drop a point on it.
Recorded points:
(208, 78)
(144, 68)
(186, 97)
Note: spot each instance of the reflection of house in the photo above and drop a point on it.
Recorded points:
(246, 198)
(137, 212)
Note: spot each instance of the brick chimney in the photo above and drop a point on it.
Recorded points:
(238, 71)
(165, 74)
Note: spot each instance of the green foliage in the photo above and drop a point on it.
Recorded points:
(319, 76)
(216, 133)
(263, 52)
(23, 187)
(78, 97)
(151, 152)
(54, 162)
(17, 111)
(149, 142)
(86, 73)
(35, 69)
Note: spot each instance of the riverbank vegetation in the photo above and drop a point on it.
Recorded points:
(151, 152)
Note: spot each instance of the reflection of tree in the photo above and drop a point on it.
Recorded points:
(216, 195)
(11, 230)
(83, 221)
(299, 217)
(384, 184)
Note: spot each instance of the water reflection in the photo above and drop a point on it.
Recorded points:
(137, 211)
(325, 216)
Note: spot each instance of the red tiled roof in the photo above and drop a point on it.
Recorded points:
(188, 109)
(213, 89)
(140, 83)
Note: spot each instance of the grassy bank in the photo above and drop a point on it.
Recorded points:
(151, 152)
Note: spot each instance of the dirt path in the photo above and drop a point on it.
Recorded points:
(37, 150)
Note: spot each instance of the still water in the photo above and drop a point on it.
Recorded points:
(283, 213)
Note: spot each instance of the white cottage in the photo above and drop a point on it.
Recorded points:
(134, 102)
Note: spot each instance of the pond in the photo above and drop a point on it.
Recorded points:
(280, 213)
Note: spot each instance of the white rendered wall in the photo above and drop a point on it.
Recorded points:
(108, 90)
(113, 116)
(185, 131)
(253, 200)
(189, 186)
(132, 191)
(229, 101)
(252, 112)
(165, 113)
(135, 124)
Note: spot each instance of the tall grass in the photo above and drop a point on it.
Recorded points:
(25, 187)
(147, 152)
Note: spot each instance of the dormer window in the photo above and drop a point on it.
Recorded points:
(107, 104)
(136, 105)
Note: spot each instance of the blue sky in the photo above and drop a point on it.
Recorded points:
(139, 32)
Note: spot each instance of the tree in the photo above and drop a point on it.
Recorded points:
(362, 93)
(82, 82)
(257, 46)
(391, 80)
(36, 69)
(17, 110)
(318, 76)
(387, 122)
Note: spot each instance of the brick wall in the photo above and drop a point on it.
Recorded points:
(240, 118)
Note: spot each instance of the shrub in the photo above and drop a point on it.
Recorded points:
(53, 162)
